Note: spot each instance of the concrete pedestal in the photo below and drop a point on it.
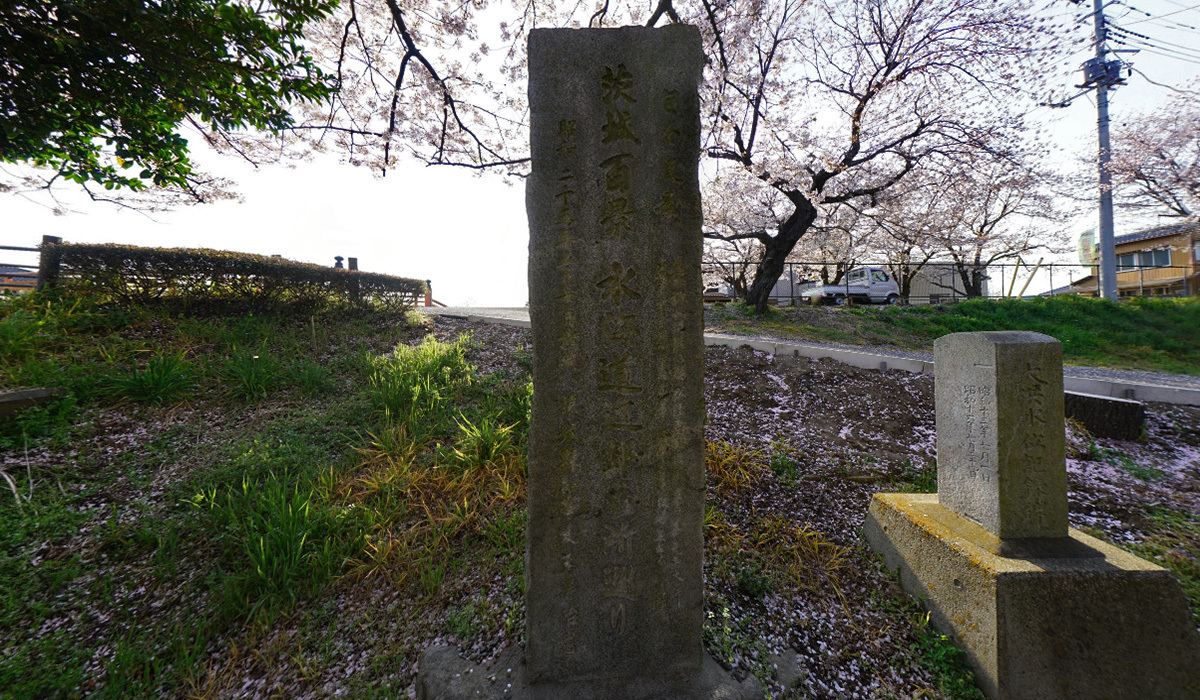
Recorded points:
(1073, 619)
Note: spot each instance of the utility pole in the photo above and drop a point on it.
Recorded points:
(1105, 75)
(1100, 74)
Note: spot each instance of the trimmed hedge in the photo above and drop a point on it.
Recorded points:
(140, 275)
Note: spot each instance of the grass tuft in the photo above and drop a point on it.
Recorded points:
(166, 377)
(733, 467)
(251, 375)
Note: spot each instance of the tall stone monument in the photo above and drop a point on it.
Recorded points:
(616, 463)
(614, 589)
(1043, 611)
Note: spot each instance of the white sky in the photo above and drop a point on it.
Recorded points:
(469, 234)
(466, 234)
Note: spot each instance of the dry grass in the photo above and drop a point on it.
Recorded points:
(810, 560)
(418, 504)
(733, 467)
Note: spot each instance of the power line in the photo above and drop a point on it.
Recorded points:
(1153, 40)
(1151, 17)
(1174, 56)
(1176, 3)
(1193, 7)
(1171, 25)
(1162, 85)
(1158, 50)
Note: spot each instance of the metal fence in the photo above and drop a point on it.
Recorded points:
(19, 268)
(941, 282)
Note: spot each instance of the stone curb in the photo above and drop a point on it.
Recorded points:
(870, 360)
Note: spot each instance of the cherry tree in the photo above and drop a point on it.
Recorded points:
(823, 104)
(1156, 158)
(833, 103)
(987, 211)
(837, 243)
(908, 219)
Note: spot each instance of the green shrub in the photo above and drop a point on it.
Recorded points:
(132, 274)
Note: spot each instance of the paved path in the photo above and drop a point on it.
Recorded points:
(1145, 386)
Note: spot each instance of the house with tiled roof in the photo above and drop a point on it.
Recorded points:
(1159, 261)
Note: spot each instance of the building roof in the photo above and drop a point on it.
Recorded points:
(1192, 225)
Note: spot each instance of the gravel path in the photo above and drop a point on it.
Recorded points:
(1121, 375)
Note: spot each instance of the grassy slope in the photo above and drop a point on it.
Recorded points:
(1161, 335)
(212, 495)
(264, 467)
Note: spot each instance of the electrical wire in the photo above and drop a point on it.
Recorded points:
(1169, 24)
(1153, 18)
(1176, 3)
(1150, 50)
(1150, 80)
(1193, 7)
(1153, 40)
(1145, 45)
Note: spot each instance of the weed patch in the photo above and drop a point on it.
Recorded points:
(280, 542)
(946, 663)
(165, 378)
(732, 467)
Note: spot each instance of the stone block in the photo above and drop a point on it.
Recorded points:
(12, 402)
(1106, 416)
(614, 543)
(1000, 444)
(1085, 621)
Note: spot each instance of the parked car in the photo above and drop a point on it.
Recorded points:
(866, 285)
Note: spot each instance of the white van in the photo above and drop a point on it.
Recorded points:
(866, 285)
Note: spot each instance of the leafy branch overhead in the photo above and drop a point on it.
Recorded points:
(96, 91)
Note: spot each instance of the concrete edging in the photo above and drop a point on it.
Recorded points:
(869, 360)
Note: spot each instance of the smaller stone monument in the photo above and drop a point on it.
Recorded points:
(1043, 611)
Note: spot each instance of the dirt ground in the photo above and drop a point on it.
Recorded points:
(812, 440)
(824, 436)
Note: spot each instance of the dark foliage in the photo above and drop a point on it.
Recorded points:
(98, 89)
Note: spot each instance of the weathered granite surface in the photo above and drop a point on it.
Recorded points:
(1103, 624)
(1000, 443)
(616, 466)
(1041, 610)
(614, 588)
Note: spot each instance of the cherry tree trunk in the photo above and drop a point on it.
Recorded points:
(775, 252)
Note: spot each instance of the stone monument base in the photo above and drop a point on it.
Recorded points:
(1077, 619)
(443, 675)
